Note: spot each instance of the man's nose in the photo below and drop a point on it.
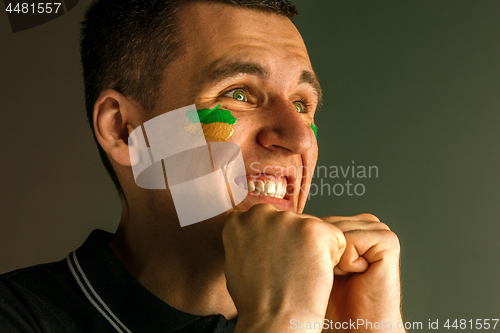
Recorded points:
(285, 129)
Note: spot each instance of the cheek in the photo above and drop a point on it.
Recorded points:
(218, 132)
(310, 157)
(313, 153)
(243, 129)
(217, 124)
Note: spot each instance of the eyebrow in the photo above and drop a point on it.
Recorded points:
(312, 79)
(235, 68)
(216, 72)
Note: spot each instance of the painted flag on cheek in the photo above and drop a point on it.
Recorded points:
(200, 176)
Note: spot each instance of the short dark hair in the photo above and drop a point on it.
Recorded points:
(125, 42)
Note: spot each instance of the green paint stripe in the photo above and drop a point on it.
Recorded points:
(315, 130)
(215, 115)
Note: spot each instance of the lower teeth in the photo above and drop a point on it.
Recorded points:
(274, 195)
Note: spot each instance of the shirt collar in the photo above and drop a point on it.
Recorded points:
(121, 299)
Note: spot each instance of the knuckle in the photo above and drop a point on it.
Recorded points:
(259, 210)
(285, 216)
(368, 217)
(342, 224)
(384, 226)
(254, 208)
(339, 235)
(234, 220)
(308, 229)
(391, 239)
(266, 207)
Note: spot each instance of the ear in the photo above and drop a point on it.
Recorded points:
(114, 119)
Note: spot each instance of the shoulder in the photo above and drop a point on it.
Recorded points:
(39, 276)
(45, 298)
(23, 296)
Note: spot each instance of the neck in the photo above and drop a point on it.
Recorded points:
(184, 267)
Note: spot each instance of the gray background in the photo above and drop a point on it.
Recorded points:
(410, 87)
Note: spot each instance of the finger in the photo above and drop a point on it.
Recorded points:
(349, 225)
(372, 245)
(337, 271)
(337, 241)
(351, 261)
(360, 217)
(309, 216)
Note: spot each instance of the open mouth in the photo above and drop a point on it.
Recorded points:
(266, 185)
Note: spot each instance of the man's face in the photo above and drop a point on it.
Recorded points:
(255, 65)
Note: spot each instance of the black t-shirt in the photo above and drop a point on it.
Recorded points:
(91, 291)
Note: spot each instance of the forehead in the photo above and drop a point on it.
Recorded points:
(214, 33)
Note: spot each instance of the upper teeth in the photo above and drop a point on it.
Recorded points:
(269, 188)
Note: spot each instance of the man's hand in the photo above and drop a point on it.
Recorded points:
(367, 278)
(279, 266)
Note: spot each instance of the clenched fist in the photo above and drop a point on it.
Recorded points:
(281, 266)
(367, 277)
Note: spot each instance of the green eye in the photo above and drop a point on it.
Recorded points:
(239, 95)
(299, 107)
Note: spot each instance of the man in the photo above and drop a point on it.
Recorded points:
(261, 267)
